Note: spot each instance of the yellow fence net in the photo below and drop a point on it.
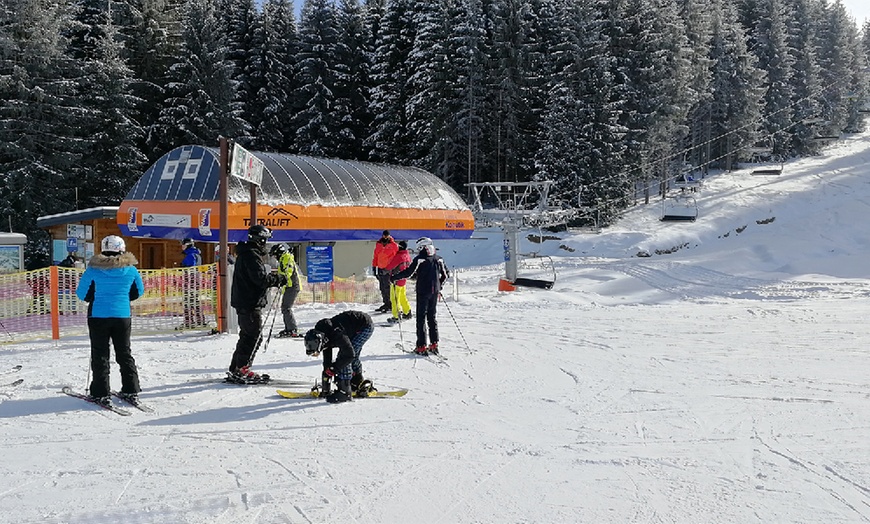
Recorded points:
(42, 304)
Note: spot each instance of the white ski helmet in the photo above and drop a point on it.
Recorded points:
(113, 244)
(425, 243)
(422, 242)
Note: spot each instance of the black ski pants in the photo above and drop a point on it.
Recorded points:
(250, 328)
(117, 330)
(427, 305)
(384, 286)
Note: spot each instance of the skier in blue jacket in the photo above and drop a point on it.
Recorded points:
(110, 282)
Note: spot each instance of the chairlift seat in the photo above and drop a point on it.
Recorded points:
(679, 209)
(768, 171)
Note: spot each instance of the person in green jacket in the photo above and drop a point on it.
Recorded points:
(287, 267)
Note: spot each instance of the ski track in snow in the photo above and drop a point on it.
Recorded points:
(724, 382)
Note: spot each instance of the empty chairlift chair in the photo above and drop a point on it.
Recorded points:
(679, 208)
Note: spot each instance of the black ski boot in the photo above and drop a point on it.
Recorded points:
(342, 394)
(360, 386)
(325, 385)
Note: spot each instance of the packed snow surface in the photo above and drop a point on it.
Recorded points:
(724, 378)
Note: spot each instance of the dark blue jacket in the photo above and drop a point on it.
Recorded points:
(430, 272)
(192, 257)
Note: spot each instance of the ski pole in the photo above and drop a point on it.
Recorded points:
(7, 332)
(278, 300)
(454, 323)
(272, 309)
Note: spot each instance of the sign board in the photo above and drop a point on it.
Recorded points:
(319, 264)
(11, 259)
(76, 231)
(246, 166)
(72, 244)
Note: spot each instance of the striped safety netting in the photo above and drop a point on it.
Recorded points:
(42, 304)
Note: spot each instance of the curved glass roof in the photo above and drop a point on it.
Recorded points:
(191, 173)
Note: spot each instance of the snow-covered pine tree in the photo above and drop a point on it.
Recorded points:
(737, 84)
(317, 123)
(39, 114)
(201, 102)
(353, 80)
(837, 44)
(582, 142)
(805, 80)
(648, 42)
(109, 135)
(274, 71)
(241, 21)
(697, 19)
(151, 33)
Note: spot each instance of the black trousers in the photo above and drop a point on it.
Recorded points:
(384, 286)
(250, 327)
(101, 332)
(427, 305)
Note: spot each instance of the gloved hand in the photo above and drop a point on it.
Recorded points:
(328, 373)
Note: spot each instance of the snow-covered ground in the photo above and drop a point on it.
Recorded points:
(727, 381)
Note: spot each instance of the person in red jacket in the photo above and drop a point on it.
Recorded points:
(385, 250)
(398, 296)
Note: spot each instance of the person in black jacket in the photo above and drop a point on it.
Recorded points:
(252, 279)
(430, 272)
(347, 331)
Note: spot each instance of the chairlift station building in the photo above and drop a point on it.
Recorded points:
(304, 200)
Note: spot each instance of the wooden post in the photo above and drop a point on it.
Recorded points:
(223, 284)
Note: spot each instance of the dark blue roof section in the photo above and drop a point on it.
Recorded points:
(191, 173)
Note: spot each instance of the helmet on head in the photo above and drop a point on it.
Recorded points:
(113, 244)
(278, 250)
(423, 242)
(315, 341)
(187, 242)
(259, 233)
(403, 244)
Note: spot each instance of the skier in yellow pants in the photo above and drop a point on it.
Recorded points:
(398, 297)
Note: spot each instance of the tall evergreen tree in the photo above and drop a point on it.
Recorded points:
(353, 79)
(109, 136)
(389, 139)
(582, 146)
(318, 123)
(805, 80)
(202, 101)
(698, 20)
(737, 105)
(770, 44)
(151, 35)
(39, 114)
(274, 72)
(241, 22)
(837, 45)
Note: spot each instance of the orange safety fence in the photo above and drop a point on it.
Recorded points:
(42, 304)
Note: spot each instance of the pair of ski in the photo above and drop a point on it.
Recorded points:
(110, 407)
(10, 371)
(436, 358)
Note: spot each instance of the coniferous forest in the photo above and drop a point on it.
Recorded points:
(600, 96)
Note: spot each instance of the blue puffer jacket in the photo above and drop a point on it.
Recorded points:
(109, 284)
(192, 257)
